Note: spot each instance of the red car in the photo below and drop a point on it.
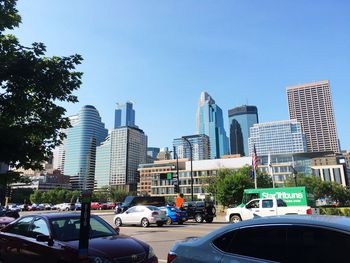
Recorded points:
(96, 206)
(54, 237)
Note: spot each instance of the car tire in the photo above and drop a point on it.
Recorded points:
(144, 222)
(67, 209)
(209, 220)
(169, 221)
(198, 218)
(235, 219)
(160, 223)
(118, 221)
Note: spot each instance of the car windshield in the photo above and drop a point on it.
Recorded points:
(67, 229)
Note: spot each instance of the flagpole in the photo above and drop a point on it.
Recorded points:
(271, 170)
(255, 181)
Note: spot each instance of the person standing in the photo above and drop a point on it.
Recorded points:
(179, 200)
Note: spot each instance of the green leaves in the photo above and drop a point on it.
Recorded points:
(228, 186)
(9, 17)
(31, 84)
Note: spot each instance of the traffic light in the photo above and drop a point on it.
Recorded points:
(166, 176)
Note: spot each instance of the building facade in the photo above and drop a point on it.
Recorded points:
(210, 122)
(277, 137)
(200, 147)
(124, 115)
(80, 147)
(240, 120)
(328, 166)
(151, 182)
(119, 156)
(311, 104)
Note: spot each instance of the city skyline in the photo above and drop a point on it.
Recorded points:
(236, 53)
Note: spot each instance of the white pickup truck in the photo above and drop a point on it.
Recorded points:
(265, 207)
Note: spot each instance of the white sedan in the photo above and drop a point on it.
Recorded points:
(143, 215)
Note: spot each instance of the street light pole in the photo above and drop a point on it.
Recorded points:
(187, 140)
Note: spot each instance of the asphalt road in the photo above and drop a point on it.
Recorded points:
(161, 238)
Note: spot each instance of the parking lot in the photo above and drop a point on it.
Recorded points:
(160, 238)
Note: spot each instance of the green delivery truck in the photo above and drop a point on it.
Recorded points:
(293, 196)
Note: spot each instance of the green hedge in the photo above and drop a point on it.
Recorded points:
(340, 211)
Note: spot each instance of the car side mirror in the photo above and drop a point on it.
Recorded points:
(117, 229)
(44, 238)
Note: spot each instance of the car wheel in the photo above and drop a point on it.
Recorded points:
(235, 219)
(144, 222)
(160, 223)
(209, 220)
(198, 218)
(118, 221)
(67, 209)
(168, 220)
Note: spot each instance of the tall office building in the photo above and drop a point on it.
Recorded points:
(277, 137)
(200, 147)
(124, 115)
(311, 104)
(80, 147)
(240, 120)
(119, 156)
(153, 152)
(210, 122)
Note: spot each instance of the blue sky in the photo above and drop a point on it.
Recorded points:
(162, 54)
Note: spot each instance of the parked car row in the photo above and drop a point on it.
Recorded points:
(145, 215)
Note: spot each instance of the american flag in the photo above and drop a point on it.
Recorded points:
(255, 159)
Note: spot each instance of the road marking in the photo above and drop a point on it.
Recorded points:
(162, 260)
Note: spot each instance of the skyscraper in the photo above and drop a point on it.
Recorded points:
(277, 137)
(210, 122)
(311, 104)
(119, 156)
(240, 120)
(124, 115)
(80, 147)
(200, 147)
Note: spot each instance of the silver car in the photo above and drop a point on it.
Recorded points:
(271, 239)
(143, 215)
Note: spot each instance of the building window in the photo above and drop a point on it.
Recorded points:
(337, 177)
(326, 175)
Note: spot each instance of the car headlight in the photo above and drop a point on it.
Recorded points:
(150, 252)
(99, 260)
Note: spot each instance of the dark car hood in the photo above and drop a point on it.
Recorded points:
(113, 246)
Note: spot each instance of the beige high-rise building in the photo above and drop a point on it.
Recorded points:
(311, 104)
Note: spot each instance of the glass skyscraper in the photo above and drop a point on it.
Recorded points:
(80, 147)
(119, 156)
(240, 120)
(124, 115)
(277, 137)
(200, 147)
(210, 122)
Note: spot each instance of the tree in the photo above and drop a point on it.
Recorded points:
(31, 87)
(228, 185)
(36, 197)
(230, 189)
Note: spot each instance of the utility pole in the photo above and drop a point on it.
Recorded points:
(190, 144)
